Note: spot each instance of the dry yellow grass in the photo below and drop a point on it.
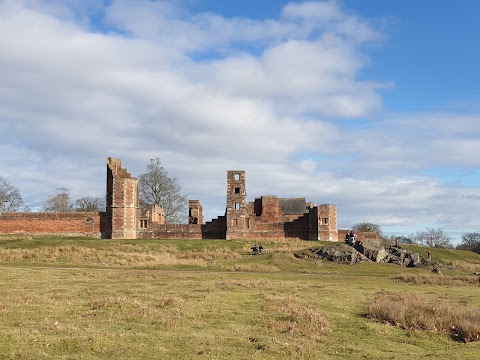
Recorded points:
(423, 279)
(273, 306)
(280, 245)
(262, 268)
(466, 266)
(294, 317)
(410, 311)
(247, 284)
(121, 254)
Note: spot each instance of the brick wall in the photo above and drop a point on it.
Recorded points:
(215, 229)
(172, 231)
(78, 223)
(270, 209)
(266, 231)
(361, 235)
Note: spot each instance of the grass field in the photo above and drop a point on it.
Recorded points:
(76, 298)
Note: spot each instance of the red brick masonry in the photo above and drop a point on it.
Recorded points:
(78, 223)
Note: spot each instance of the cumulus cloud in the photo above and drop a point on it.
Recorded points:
(280, 97)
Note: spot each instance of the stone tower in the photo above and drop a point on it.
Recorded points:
(195, 213)
(236, 212)
(122, 202)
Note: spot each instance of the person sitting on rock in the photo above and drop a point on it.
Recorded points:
(351, 238)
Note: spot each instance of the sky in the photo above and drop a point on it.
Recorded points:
(370, 105)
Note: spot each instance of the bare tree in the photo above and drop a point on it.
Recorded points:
(433, 238)
(59, 201)
(400, 239)
(90, 203)
(10, 198)
(156, 187)
(367, 227)
(469, 241)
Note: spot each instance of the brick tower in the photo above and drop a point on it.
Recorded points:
(236, 204)
(122, 202)
(327, 223)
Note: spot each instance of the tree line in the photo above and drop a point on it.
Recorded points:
(431, 237)
(155, 187)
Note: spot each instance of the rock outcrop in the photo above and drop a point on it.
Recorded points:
(341, 254)
(366, 252)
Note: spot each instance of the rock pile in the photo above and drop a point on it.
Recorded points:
(367, 252)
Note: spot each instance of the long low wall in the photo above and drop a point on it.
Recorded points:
(73, 224)
(173, 231)
(184, 231)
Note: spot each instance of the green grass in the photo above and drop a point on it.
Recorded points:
(210, 300)
(445, 255)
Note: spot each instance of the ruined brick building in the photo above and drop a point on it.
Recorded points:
(265, 217)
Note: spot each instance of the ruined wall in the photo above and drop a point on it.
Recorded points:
(299, 228)
(155, 215)
(272, 217)
(195, 212)
(361, 235)
(266, 217)
(268, 208)
(71, 224)
(172, 231)
(215, 229)
(122, 201)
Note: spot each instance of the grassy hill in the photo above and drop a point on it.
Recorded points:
(77, 298)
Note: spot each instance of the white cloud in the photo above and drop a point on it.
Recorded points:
(276, 97)
(322, 12)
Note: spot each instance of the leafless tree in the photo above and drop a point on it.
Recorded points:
(469, 241)
(433, 238)
(10, 198)
(59, 201)
(90, 203)
(367, 227)
(156, 187)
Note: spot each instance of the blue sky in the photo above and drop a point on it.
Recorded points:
(366, 104)
(430, 51)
